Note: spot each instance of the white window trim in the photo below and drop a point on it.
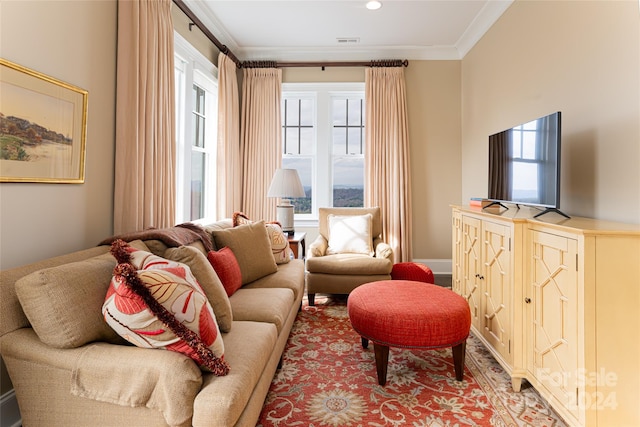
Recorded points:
(196, 68)
(323, 92)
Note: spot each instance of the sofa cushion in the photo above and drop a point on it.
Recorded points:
(208, 280)
(226, 266)
(350, 234)
(63, 303)
(250, 244)
(289, 276)
(153, 302)
(279, 241)
(271, 305)
(249, 346)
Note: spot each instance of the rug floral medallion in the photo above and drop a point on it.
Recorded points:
(328, 379)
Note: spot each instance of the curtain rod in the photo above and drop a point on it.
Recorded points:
(323, 64)
(274, 64)
(223, 48)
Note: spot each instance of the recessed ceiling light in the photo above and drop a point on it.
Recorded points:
(374, 5)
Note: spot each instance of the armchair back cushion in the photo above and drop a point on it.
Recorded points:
(350, 234)
(376, 220)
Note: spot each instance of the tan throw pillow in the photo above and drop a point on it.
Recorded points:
(251, 246)
(208, 280)
(350, 234)
(63, 303)
(279, 241)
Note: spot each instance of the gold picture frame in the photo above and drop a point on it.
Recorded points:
(43, 126)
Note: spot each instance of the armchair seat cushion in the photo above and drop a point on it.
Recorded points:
(349, 264)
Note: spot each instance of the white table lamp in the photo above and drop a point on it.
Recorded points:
(286, 185)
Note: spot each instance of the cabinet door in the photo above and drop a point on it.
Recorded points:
(497, 287)
(554, 287)
(456, 258)
(471, 266)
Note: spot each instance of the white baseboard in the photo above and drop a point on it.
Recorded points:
(438, 266)
(9, 410)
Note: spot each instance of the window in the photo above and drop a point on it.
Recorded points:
(323, 139)
(196, 94)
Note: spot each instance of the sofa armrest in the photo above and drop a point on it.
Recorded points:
(318, 247)
(382, 249)
(129, 376)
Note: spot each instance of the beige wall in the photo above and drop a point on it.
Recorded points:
(433, 98)
(74, 42)
(579, 57)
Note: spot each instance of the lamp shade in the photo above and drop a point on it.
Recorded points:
(286, 184)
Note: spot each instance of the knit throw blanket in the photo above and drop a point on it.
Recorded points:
(181, 234)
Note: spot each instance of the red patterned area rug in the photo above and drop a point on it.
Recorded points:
(328, 379)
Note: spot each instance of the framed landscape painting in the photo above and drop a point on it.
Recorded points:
(43, 124)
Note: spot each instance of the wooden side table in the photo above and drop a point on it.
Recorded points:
(297, 245)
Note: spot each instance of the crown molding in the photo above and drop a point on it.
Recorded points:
(490, 13)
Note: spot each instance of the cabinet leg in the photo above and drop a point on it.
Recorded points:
(516, 383)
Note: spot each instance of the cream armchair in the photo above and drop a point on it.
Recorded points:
(348, 252)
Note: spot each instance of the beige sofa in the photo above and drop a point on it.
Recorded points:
(68, 370)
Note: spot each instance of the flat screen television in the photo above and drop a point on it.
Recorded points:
(524, 165)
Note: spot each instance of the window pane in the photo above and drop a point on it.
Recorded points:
(355, 108)
(304, 166)
(198, 123)
(348, 182)
(291, 145)
(306, 141)
(292, 111)
(306, 112)
(198, 94)
(355, 140)
(197, 185)
(339, 141)
(339, 112)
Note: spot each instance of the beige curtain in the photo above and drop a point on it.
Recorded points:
(261, 139)
(144, 194)
(228, 158)
(388, 182)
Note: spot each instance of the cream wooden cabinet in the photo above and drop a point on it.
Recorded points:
(486, 264)
(553, 295)
(574, 301)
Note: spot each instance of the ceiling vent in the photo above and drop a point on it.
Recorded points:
(348, 40)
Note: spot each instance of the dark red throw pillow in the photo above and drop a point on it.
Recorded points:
(226, 265)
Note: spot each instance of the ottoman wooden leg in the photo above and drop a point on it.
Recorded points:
(458, 359)
(382, 358)
(365, 342)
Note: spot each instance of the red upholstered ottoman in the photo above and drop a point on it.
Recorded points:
(408, 314)
(412, 271)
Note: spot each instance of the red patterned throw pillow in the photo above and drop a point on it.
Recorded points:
(156, 303)
(277, 238)
(226, 265)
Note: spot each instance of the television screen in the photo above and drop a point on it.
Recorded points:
(524, 163)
